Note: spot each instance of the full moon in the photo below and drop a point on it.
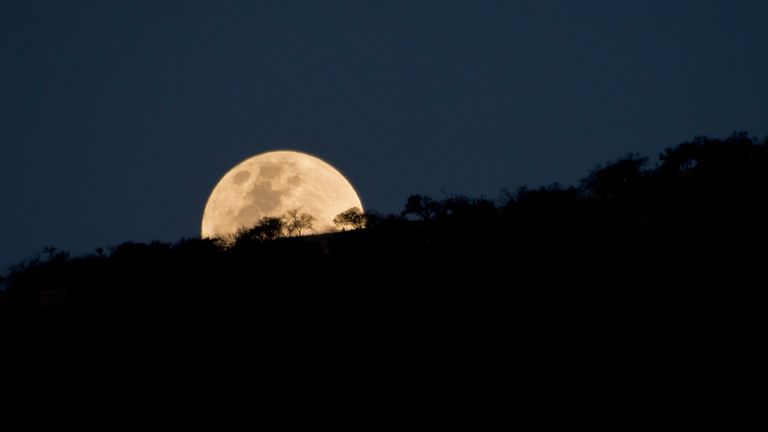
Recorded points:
(269, 185)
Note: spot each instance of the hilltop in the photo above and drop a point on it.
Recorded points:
(553, 295)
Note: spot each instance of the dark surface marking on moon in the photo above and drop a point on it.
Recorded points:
(294, 180)
(262, 198)
(241, 177)
(270, 170)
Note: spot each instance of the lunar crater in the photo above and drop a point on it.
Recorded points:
(241, 177)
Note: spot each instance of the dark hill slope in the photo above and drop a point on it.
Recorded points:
(629, 296)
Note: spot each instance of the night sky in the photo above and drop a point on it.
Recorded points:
(118, 118)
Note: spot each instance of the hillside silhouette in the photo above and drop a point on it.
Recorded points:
(598, 299)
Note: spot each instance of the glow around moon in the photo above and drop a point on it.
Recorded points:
(269, 185)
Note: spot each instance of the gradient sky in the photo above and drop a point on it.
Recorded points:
(118, 118)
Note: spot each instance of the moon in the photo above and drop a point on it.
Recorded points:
(269, 185)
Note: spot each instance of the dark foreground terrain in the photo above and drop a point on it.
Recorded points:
(629, 300)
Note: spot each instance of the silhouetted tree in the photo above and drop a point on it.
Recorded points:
(227, 240)
(53, 254)
(423, 207)
(372, 218)
(460, 206)
(616, 177)
(268, 228)
(738, 161)
(295, 222)
(352, 218)
(551, 198)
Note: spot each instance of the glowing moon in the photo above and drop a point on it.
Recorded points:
(269, 185)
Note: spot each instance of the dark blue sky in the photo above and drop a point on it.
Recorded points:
(118, 118)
